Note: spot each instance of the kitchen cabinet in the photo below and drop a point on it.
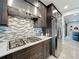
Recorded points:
(52, 13)
(41, 22)
(34, 52)
(46, 49)
(38, 51)
(3, 58)
(3, 12)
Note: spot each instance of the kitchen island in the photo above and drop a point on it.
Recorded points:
(36, 50)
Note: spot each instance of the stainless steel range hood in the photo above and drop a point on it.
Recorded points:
(22, 9)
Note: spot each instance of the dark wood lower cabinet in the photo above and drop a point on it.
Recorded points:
(34, 52)
(3, 58)
(39, 51)
(46, 49)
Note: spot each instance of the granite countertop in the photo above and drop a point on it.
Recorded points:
(4, 46)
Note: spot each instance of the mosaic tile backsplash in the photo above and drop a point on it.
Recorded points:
(17, 28)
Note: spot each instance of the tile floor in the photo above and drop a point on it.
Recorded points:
(70, 50)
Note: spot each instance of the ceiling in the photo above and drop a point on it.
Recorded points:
(63, 5)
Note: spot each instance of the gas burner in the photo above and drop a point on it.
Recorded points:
(20, 42)
(31, 39)
(16, 43)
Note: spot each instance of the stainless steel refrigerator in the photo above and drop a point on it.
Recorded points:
(56, 41)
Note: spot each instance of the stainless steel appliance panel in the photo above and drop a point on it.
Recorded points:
(56, 41)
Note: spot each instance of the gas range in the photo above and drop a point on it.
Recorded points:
(20, 42)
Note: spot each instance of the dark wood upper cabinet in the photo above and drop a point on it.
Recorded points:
(43, 12)
(3, 13)
(21, 5)
(52, 11)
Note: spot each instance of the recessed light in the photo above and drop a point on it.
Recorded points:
(66, 7)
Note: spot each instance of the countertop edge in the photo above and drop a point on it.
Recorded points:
(44, 38)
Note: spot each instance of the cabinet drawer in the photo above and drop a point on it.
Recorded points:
(26, 50)
(37, 52)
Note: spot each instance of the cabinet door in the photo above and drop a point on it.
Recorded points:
(33, 52)
(22, 56)
(37, 52)
(43, 13)
(1, 8)
(3, 58)
(46, 49)
(3, 12)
